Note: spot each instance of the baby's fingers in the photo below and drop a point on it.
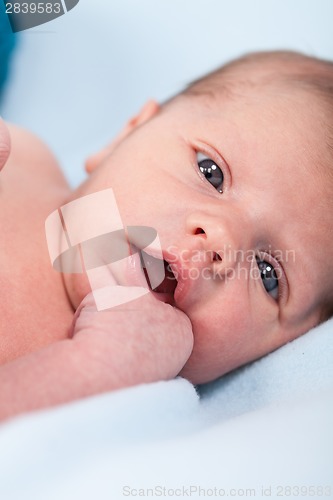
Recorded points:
(153, 338)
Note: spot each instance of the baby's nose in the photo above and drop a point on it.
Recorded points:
(221, 241)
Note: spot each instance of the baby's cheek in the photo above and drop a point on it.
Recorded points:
(223, 340)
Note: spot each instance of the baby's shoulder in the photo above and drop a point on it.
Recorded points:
(31, 181)
(30, 154)
(35, 304)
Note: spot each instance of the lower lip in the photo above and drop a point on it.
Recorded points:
(181, 292)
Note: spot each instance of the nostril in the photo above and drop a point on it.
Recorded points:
(216, 257)
(199, 230)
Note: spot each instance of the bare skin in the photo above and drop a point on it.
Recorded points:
(29, 191)
(43, 361)
(269, 147)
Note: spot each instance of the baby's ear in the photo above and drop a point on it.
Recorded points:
(150, 109)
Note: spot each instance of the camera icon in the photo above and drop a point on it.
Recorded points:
(87, 235)
(23, 14)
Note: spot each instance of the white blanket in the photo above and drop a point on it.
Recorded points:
(268, 425)
(264, 430)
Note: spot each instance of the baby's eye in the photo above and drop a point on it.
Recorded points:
(211, 171)
(269, 278)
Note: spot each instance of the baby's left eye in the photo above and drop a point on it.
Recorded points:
(211, 171)
(269, 278)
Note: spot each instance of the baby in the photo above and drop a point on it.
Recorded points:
(235, 175)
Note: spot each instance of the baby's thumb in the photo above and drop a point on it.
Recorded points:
(183, 340)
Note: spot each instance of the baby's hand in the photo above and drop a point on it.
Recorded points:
(144, 340)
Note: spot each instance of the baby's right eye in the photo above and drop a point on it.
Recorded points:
(269, 278)
(211, 171)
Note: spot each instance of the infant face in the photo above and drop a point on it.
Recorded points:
(231, 188)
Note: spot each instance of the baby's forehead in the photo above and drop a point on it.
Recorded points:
(276, 72)
(285, 104)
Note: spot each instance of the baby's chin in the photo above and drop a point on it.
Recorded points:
(198, 371)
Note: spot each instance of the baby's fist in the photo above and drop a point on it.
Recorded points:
(144, 340)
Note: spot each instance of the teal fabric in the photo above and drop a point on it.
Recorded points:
(7, 43)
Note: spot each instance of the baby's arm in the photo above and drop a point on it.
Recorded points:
(144, 341)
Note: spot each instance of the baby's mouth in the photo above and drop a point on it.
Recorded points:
(164, 290)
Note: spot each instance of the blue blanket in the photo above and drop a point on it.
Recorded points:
(7, 44)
